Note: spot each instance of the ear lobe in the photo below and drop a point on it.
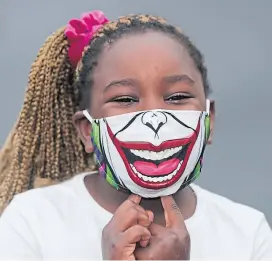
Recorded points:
(212, 119)
(84, 129)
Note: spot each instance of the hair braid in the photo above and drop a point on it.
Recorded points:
(43, 147)
(6, 153)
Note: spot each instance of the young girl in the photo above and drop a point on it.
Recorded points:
(144, 112)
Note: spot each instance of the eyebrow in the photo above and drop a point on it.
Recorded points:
(124, 82)
(129, 82)
(178, 78)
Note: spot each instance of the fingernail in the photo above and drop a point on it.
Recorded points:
(144, 243)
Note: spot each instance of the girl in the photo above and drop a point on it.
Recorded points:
(141, 94)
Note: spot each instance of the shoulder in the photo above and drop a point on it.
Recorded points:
(59, 196)
(38, 214)
(243, 228)
(229, 210)
(238, 222)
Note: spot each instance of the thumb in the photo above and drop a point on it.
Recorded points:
(172, 213)
(135, 198)
(150, 215)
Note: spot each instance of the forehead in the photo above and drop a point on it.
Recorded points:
(144, 55)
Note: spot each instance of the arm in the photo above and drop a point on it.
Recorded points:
(17, 240)
(263, 241)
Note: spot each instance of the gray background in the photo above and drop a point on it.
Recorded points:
(235, 37)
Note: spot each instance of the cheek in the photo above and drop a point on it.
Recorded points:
(111, 109)
(100, 107)
(102, 110)
(194, 104)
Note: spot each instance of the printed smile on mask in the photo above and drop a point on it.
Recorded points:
(155, 167)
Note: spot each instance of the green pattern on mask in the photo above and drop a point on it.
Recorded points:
(96, 135)
(102, 161)
(197, 169)
(110, 178)
(207, 127)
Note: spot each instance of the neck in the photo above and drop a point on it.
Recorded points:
(111, 198)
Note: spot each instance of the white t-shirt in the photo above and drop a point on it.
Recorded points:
(64, 222)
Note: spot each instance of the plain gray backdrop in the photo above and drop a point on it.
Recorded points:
(235, 37)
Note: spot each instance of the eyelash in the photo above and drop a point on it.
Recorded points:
(125, 99)
(179, 97)
(175, 98)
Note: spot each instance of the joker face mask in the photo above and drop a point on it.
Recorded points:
(151, 153)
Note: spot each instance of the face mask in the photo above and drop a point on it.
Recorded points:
(151, 153)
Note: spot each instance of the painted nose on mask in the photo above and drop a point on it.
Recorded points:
(154, 120)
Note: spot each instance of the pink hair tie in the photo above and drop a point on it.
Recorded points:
(80, 31)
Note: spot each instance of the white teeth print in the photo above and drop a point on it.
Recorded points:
(152, 155)
(156, 179)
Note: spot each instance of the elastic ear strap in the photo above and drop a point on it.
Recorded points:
(208, 106)
(88, 116)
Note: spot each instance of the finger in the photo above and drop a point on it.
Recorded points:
(129, 204)
(150, 215)
(143, 219)
(144, 243)
(135, 234)
(148, 252)
(135, 198)
(172, 213)
(129, 216)
(156, 229)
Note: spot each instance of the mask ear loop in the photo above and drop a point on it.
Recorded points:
(208, 106)
(88, 116)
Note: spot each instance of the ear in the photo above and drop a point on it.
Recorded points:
(212, 119)
(84, 129)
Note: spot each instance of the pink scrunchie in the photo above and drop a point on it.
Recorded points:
(79, 32)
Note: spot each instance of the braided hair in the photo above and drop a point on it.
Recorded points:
(43, 147)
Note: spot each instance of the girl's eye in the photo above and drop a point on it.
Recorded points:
(177, 97)
(125, 100)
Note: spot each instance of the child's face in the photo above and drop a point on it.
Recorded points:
(144, 72)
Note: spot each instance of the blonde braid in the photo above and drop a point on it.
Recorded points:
(43, 148)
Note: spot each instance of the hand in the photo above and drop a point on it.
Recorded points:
(171, 242)
(127, 227)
